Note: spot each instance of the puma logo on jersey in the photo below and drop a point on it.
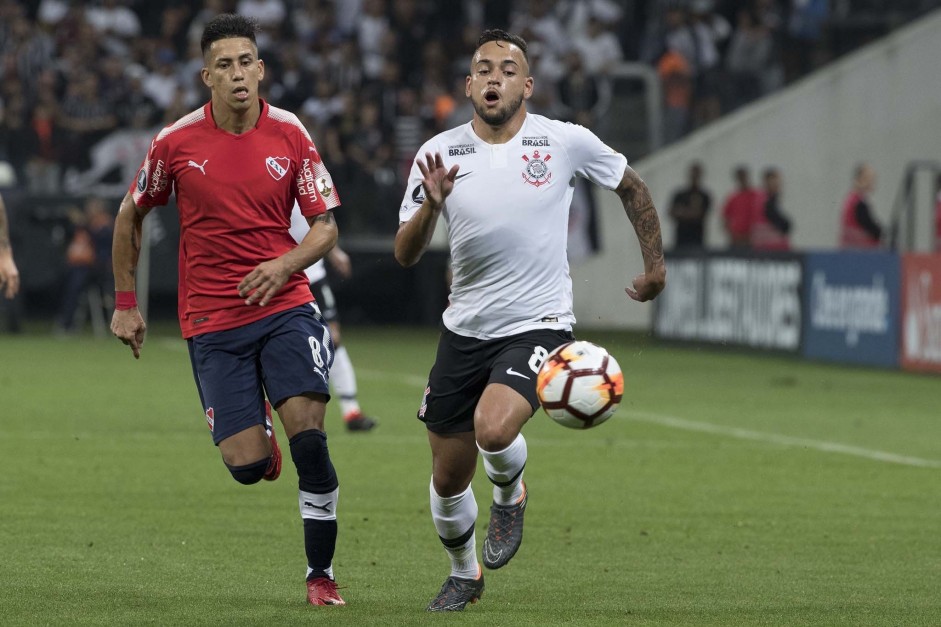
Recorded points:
(199, 166)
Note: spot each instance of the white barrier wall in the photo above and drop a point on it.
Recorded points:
(881, 104)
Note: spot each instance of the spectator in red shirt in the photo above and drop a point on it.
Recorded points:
(738, 209)
(858, 226)
(770, 228)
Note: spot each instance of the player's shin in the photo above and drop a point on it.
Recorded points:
(454, 518)
(505, 471)
(318, 493)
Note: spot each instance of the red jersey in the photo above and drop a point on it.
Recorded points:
(764, 234)
(738, 214)
(235, 194)
(852, 233)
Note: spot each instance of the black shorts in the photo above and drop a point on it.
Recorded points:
(464, 366)
(325, 300)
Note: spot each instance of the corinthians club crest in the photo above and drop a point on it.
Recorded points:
(536, 172)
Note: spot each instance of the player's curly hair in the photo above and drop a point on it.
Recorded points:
(498, 34)
(227, 25)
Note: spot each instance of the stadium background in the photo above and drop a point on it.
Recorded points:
(731, 488)
(87, 83)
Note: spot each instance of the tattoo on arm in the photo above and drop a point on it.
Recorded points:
(324, 218)
(643, 215)
(4, 230)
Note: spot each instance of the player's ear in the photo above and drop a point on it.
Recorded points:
(467, 86)
(207, 79)
(261, 69)
(528, 88)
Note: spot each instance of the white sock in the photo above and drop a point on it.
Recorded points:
(329, 572)
(343, 378)
(505, 470)
(454, 518)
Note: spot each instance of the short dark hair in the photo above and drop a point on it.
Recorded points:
(498, 34)
(228, 25)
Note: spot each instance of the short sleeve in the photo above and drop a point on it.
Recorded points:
(593, 159)
(153, 187)
(315, 192)
(414, 190)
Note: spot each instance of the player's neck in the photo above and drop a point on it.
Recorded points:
(235, 122)
(499, 134)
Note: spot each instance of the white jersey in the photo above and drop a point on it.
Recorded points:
(299, 229)
(507, 220)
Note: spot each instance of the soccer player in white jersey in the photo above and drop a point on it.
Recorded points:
(503, 183)
(342, 374)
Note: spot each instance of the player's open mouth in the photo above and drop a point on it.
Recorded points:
(241, 93)
(491, 96)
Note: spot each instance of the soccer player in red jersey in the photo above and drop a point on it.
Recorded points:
(253, 330)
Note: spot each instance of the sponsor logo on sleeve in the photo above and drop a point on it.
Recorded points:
(158, 179)
(306, 182)
(142, 180)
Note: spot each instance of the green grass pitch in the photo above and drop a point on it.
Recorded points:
(729, 489)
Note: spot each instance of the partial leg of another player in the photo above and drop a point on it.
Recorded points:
(454, 512)
(498, 419)
(343, 380)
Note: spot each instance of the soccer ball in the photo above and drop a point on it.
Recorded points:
(580, 385)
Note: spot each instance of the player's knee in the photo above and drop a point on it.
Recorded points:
(249, 473)
(493, 437)
(315, 471)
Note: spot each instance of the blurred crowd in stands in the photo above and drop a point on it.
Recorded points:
(85, 85)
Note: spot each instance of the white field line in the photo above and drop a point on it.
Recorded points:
(783, 440)
(693, 425)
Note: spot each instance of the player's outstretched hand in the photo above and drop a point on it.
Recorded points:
(9, 277)
(129, 327)
(262, 283)
(648, 285)
(438, 181)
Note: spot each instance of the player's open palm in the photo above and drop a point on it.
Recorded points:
(437, 180)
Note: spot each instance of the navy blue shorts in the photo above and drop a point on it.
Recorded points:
(465, 366)
(286, 354)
